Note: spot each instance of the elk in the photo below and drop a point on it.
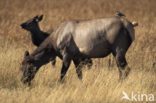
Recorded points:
(38, 36)
(81, 39)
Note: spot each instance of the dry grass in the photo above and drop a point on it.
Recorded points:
(99, 85)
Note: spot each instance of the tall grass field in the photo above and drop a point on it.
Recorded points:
(100, 84)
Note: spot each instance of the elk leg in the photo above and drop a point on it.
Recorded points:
(119, 51)
(65, 66)
(78, 68)
(89, 63)
(121, 63)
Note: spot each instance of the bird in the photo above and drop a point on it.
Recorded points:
(118, 13)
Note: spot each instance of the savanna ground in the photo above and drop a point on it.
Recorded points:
(100, 84)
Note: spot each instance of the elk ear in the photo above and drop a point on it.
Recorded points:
(26, 53)
(40, 18)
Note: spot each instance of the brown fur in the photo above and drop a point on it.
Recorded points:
(74, 41)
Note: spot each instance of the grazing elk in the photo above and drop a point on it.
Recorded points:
(76, 40)
(39, 36)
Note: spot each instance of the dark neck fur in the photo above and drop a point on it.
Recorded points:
(37, 36)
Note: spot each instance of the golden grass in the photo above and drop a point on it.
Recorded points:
(100, 84)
